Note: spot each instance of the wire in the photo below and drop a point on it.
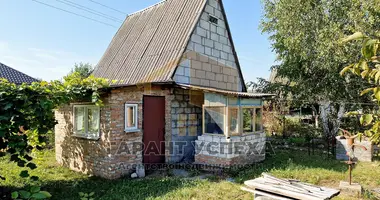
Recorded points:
(343, 102)
(109, 7)
(89, 18)
(78, 6)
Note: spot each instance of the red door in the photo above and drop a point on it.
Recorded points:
(154, 129)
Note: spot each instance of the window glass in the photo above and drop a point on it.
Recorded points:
(233, 120)
(86, 121)
(248, 114)
(214, 120)
(79, 120)
(259, 118)
(93, 120)
(131, 116)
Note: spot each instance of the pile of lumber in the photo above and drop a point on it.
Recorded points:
(269, 187)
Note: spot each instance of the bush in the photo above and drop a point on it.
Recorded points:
(273, 122)
(297, 141)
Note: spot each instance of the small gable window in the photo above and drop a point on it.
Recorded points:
(86, 121)
(131, 117)
(213, 19)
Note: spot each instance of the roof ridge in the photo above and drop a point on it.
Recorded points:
(149, 7)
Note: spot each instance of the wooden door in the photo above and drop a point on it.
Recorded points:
(154, 129)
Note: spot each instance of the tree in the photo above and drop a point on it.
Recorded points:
(368, 68)
(305, 36)
(84, 69)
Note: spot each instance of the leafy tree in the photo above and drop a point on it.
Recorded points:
(84, 69)
(368, 68)
(305, 36)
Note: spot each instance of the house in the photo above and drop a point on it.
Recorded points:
(15, 76)
(180, 97)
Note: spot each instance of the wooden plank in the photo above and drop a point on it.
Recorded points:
(260, 193)
(291, 188)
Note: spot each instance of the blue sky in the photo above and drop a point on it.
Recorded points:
(45, 43)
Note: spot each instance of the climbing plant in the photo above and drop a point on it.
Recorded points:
(368, 68)
(27, 113)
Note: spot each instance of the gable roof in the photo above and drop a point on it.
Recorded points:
(15, 76)
(150, 43)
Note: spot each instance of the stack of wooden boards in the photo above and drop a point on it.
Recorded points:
(268, 187)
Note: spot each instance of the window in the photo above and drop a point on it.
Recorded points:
(86, 121)
(233, 120)
(248, 117)
(214, 120)
(131, 117)
(259, 119)
(213, 19)
(252, 120)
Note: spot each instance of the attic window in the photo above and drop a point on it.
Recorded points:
(213, 19)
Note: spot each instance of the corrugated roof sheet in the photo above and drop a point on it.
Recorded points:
(15, 76)
(225, 92)
(150, 43)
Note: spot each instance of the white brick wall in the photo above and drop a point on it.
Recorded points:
(225, 147)
(211, 41)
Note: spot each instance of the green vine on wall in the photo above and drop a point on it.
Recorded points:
(27, 113)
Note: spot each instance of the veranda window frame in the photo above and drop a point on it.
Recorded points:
(253, 120)
(239, 119)
(86, 134)
(204, 119)
(261, 122)
(227, 125)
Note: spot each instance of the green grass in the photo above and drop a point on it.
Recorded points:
(63, 183)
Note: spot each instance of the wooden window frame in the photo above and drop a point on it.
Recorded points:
(261, 122)
(253, 120)
(85, 134)
(239, 120)
(135, 116)
(224, 120)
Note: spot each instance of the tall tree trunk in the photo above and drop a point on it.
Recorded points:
(331, 120)
(325, 109)
(331, 117)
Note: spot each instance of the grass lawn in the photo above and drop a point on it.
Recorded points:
(63, 183)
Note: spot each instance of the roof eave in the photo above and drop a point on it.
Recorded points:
(224, 92)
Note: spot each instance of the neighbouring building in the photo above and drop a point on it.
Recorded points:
(343, 150)
(180, 97)
(15, 76)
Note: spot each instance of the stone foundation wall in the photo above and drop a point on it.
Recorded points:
(219, 151)
(359, 153)
(113, 155)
